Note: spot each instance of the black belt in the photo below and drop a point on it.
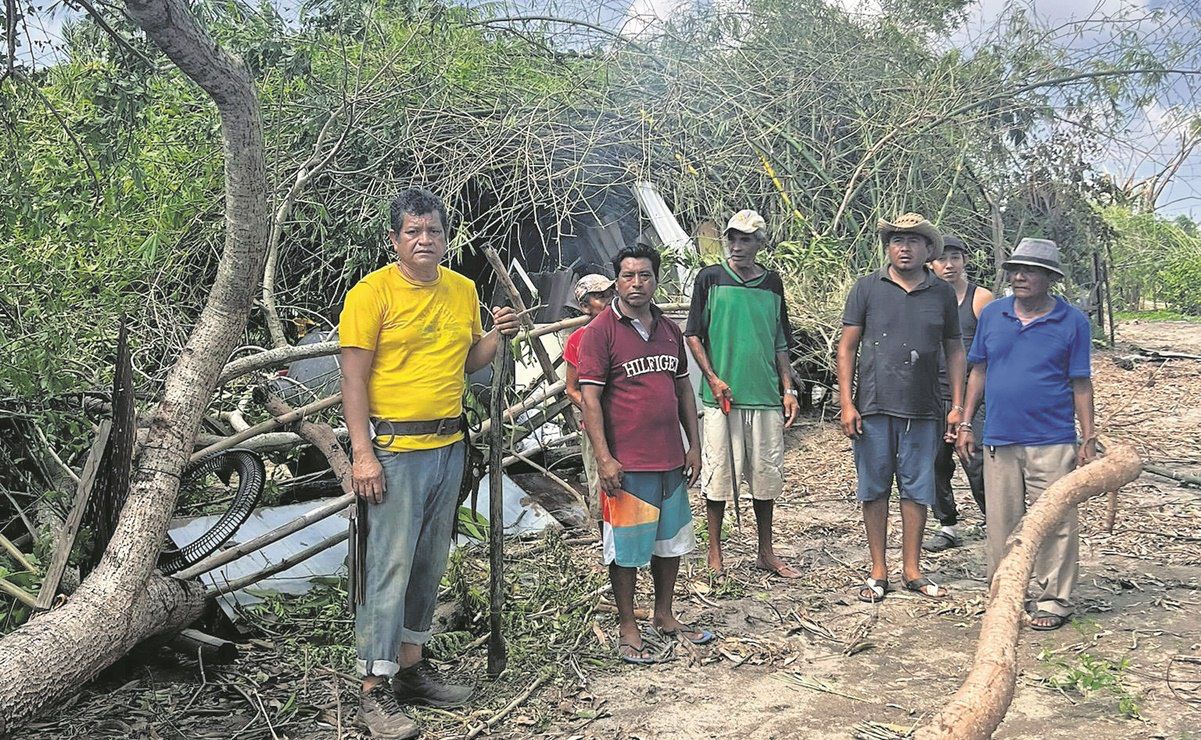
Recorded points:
(386, 428)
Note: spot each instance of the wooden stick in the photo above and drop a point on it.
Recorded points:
(228, 555)
(269, 425)
(1191, 480)
(288, 562)
(581, 320)
(548, 367)
(16, 554)
(18, 593)
(62, 549)
(497, 656)
(982, 701)
(535, 398)
(517, 701)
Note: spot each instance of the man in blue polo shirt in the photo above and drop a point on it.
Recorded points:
(1030, 359)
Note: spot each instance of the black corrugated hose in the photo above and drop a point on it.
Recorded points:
(251, 475)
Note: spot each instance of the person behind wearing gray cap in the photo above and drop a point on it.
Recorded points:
(952, 267)
(739, 334)
(897, 320)
(1030, 360)
(593, 293)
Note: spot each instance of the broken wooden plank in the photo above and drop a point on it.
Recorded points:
(62, 549)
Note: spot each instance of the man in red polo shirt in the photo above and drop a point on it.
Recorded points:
(633, 372)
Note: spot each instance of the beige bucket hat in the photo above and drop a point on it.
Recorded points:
(912, 223)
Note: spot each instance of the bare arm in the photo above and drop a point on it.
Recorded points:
(1082, 398)
(573, 387)
(784, 369)
(686, 400)
(717, 386)
(966, 440)
(505, 322)
(848, 348)
(956, 374)
(982, 298)
(608, 469)
(367, 475)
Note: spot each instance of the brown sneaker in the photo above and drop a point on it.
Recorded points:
(382, 717)
(419, 684)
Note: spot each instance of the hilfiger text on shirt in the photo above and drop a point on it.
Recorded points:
(651, 364)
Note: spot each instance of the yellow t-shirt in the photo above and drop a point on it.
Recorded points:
(420, 333)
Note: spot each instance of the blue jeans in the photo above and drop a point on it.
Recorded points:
(408, 542)
(891, 447)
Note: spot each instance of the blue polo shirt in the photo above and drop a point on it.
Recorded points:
(1028, 385)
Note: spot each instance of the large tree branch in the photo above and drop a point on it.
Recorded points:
(982, 701)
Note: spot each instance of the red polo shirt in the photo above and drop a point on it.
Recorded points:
(641, 411)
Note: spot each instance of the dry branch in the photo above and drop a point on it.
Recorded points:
(982, 701)
(269, 425)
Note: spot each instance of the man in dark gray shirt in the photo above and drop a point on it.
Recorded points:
(896, 320)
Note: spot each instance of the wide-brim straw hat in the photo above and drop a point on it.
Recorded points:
(1042, 253)
(912, 223)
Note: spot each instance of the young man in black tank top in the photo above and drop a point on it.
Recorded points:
(951, 266)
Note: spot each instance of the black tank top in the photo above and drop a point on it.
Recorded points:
(967, 325)
(967, 316)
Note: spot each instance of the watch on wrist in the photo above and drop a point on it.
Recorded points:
(965, 425)
(791, 391)
(957, 408)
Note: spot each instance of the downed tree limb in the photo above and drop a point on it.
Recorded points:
(1185, 478)
(121, 603)
(321, 436)
(269, 426)
(275, 358)
(266, 442)
(982, 701)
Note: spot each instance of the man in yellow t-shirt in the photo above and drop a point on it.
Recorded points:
(409, 333)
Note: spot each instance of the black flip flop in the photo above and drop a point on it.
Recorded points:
(920, 585)
(876, 590)
(632, 659)
(1057, 621)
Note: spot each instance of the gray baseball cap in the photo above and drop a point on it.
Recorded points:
(1038, 252)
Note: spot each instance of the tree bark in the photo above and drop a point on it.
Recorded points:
(120, 604)
(982, 701)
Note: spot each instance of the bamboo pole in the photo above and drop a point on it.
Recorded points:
(281, 566)
(268, 426)
(217, 559)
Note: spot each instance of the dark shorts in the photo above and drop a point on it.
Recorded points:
(901, 449)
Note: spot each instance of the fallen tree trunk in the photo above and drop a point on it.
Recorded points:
(120, 603)
(982, 701)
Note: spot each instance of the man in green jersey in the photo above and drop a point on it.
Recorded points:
(739, 334)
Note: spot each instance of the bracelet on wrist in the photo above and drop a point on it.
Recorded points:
(965, 425)
(957, 408)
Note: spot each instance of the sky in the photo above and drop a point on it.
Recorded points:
(1141, 151)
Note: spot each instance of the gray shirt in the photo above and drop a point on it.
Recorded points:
(903, 334)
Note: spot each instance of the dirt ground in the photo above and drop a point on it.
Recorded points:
(804, 658)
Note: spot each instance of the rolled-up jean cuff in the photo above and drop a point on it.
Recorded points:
(387, 668)
(415, 638)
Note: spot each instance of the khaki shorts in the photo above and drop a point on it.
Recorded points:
(757, 437)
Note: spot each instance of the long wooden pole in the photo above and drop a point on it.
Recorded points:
(548, 366)
(497, 657)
